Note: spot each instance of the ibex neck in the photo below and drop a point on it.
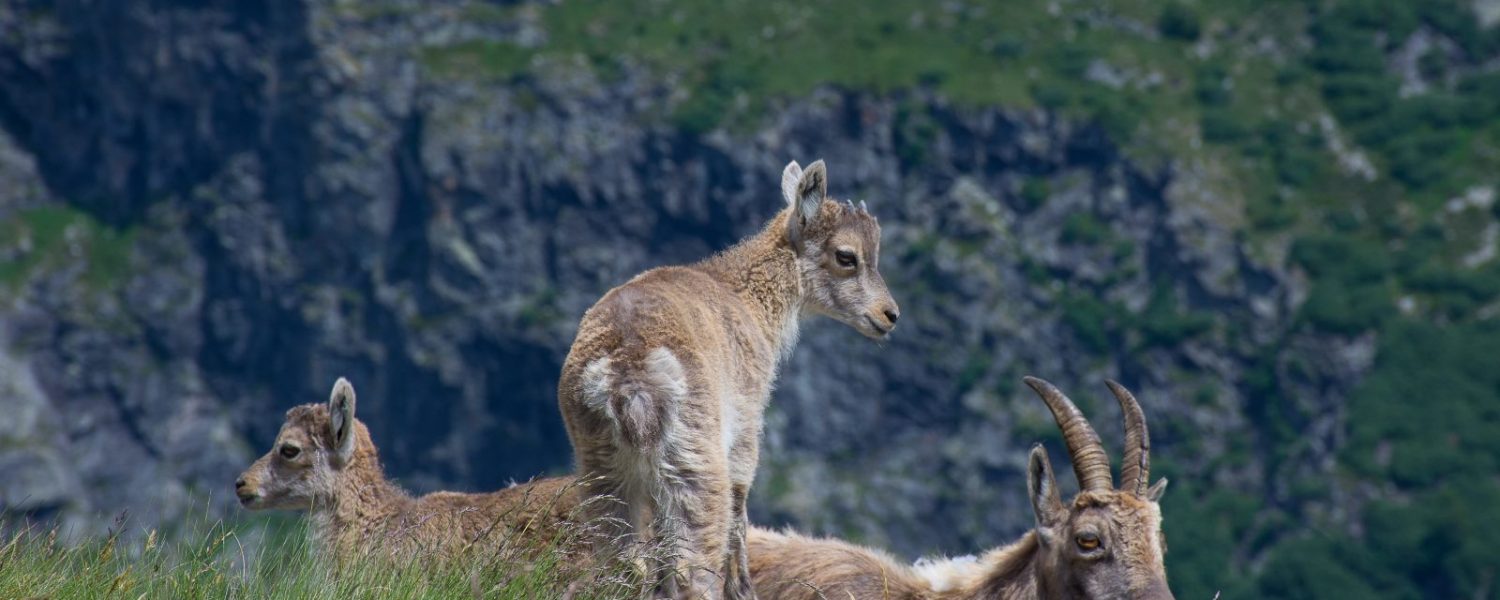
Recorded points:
(364, 504)
(1007, 573)
(763, 270)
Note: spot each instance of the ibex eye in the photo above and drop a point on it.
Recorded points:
(290, 452)
(1087, 541)
(846, 258)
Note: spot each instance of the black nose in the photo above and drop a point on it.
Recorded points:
(892, 314)
(239, 483)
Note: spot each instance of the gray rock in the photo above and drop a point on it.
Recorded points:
(301, 200)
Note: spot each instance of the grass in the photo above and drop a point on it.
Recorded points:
(272, 558)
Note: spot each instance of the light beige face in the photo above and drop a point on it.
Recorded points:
(296, 471)
(838, 252)
(300, 468)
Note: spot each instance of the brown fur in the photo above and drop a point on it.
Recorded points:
(356, 510)
(1046, 563)
(665, 386)
(789, 566)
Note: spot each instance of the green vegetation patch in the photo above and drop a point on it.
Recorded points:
(1085, 229)
(1034, 193)
(1427, 412)
(1092, 320)
(482, 59)
(52, 237)
(1164, 323)
(731, 57)
(1432, 142)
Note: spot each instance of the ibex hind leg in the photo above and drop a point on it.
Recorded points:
(737, 582)
(609, 529)
(681, 477)
(744, 455)
(634, 398)
(692, 528)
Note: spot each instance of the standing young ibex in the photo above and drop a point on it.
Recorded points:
(666, 384)
(324, 462)
(1106, 544)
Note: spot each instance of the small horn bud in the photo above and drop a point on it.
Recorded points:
(862, 207)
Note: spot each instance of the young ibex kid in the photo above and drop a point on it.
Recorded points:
(324, 462)
(1105, 544)
(665, 386)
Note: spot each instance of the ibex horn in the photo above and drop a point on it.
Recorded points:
(1135, 473)
(1090, 463)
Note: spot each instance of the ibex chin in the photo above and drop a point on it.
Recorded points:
(666, 384)
(324, 462)
(1105, 544)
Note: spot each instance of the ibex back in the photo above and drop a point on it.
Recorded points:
(664, 389)
(1106, 544)
(324, 462)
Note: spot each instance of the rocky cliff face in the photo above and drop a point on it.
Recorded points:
(214, 209)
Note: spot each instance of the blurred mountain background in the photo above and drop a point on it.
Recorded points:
(1276, 221)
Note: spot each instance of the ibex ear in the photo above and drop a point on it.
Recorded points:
(341, 420)
(805, 191)
(1155, 492)
(790, 177)
(1041, 484)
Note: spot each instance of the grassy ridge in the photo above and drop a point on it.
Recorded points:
(266, 559)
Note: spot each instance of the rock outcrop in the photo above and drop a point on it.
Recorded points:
(220, 207)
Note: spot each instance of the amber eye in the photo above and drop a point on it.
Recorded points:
(1087, 542)
(289, 451)
(846, 258)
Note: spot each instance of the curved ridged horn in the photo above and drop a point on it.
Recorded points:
(1135, 472)
(1090, 463)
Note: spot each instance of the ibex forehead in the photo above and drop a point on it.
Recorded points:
(1110, 498)
(309, 419)
(853, 240)
(854, 218)
(305, 412)
(836, 216)
(1134, 502)
(1086, 500)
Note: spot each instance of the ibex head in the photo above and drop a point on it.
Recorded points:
(315, 442)
(1108, 542)
(838, 253)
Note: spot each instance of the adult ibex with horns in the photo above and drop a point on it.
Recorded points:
(1105, 544)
